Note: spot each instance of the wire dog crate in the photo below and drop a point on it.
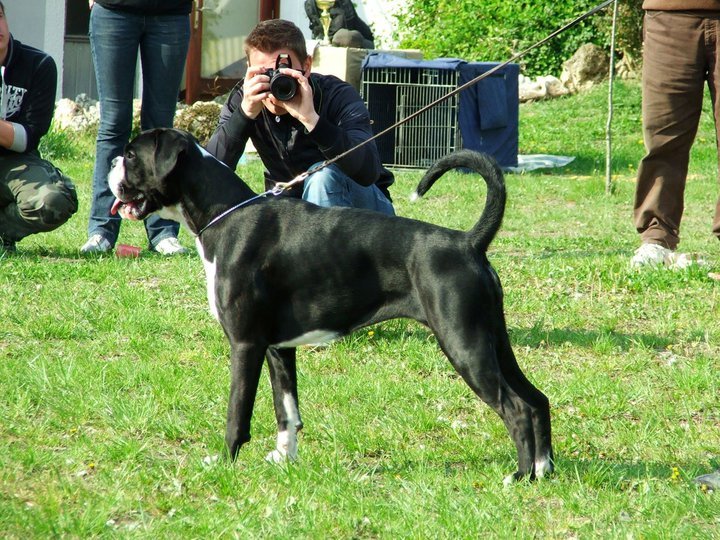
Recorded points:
(483, 117)
(394, 93)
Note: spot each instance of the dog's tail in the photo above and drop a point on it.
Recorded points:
(487, 227)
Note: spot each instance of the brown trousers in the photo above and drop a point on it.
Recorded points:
(681, 52)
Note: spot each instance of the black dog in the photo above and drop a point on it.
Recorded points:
(282, 272)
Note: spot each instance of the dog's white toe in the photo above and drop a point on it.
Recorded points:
(543, 467)
(275, 457)
(280, 456)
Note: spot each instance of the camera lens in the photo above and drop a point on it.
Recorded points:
(283, 87)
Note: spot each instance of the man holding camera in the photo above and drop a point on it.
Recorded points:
(296, 119)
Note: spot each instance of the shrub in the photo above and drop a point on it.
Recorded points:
(495, 30)
(200, 119)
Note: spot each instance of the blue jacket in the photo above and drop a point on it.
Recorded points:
(28, 82)
(287, 149)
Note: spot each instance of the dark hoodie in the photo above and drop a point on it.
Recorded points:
(287, 149)
(149, 7)
(28, 80)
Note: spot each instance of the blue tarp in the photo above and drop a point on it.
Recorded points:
(487, 111)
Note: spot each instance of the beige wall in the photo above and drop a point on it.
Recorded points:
(40, 23)
(225, 25)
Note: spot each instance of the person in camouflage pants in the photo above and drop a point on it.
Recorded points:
(34, 195)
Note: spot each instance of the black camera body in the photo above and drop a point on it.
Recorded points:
(283, 87)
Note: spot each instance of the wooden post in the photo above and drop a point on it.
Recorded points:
(608, 127)
(194, 57)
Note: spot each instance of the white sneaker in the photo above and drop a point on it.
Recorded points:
(681, 261)
(650, 255)
(170, 246)
(97, 243)
(656, 255)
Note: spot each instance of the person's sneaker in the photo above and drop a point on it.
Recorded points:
(96, 244)
(654, 255)
(681, 261)
(170, 246)
(709, 481)
(650, 255)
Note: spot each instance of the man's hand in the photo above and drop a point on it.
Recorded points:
(301, 106)
(256, 88)
(7, 134)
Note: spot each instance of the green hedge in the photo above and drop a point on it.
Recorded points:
(494, 30)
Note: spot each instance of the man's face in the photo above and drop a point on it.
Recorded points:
(267, 60)
(4, 33)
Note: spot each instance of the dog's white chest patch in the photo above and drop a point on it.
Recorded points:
(210, 279)
(174, 213)
(315, 337)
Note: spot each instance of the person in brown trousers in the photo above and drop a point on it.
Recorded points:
(680, 54)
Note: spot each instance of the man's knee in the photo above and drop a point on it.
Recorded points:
(327, 187)
(325, 180)
(46, 206)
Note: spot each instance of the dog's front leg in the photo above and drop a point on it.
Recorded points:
(245, 364)
(283, 378)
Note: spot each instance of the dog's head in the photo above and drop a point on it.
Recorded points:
(141, 179)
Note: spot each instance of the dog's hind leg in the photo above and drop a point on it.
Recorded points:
(476, 359)
(283, 378)
(246, 360)
(539, 403)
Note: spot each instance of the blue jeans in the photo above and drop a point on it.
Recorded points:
(332, 187)
(115, 38)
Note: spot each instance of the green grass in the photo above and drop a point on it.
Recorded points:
(114, 377)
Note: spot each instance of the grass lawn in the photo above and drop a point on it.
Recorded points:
(114, 376)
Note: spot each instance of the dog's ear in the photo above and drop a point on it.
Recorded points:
(169, 144)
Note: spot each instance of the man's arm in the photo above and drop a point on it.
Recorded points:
(12, 136)
(344, 125)
(22, 133)
(233, 131)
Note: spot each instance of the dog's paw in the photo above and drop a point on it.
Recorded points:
(285, 448)
(544, 467)
(280, 456)
(209, 461)
(275, 457)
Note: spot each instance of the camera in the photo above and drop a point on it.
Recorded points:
(282, 86)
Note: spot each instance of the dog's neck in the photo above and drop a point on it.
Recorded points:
(220, 190)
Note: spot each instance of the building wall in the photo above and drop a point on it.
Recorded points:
(40, 23)
(294, 10)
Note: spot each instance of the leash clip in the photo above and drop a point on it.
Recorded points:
(281, 187)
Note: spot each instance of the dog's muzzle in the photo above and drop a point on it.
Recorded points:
(130, 204)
